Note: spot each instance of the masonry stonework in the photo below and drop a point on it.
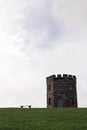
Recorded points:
(61, 91)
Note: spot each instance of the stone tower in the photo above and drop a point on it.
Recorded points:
(61, 91)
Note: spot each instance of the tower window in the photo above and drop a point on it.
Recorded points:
(50, 101)
(70, 87)
(49, 87)
(59, 86)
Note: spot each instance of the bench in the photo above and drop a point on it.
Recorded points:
(25, 106)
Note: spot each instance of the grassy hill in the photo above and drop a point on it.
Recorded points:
(43, 119)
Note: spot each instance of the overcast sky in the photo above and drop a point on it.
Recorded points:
(39, 38)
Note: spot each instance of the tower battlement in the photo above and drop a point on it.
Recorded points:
(54, 77)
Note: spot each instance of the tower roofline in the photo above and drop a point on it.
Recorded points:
(62, 76)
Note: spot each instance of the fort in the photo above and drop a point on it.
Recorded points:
(61, 91)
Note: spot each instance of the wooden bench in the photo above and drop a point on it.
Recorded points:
(26, 106)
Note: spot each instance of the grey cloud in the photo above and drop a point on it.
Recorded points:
(39, 24)
(71, 12)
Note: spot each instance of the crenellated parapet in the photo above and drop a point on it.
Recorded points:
(60, 76)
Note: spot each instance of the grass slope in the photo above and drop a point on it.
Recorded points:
(43, 119)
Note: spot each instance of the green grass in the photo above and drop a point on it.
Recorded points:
(43, 119)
